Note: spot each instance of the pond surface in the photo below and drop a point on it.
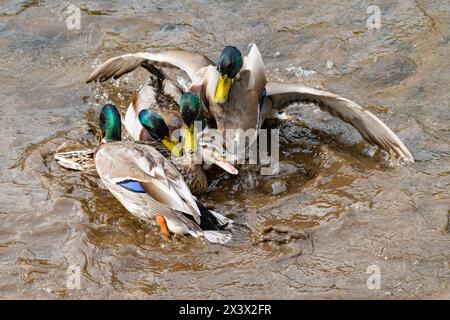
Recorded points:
(342, 208)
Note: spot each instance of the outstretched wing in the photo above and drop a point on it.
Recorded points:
(190, 62)
(257, 81)
(368, 125)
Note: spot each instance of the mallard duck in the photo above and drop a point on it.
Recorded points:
(236, 92)
(150, 187)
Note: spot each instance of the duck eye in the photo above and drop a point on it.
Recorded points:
(203, 146)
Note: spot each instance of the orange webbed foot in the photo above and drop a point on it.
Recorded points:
(163, 224)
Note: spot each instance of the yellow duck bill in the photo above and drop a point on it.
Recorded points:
(190, 142)
(173, 146)
(223, 89)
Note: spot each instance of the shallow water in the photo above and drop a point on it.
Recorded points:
(343, 210)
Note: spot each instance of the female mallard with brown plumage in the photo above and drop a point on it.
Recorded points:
(187, 164)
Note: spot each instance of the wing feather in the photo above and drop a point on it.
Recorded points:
(254, 63)
(190, 62)
(372, 129)
(165, 188)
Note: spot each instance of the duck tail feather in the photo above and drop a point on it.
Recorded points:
(224, 221)
(211, 220)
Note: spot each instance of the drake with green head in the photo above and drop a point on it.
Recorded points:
(110, 130)
(230, 63)
(110, 124)
(236, 94)
(155, 126)
(149, 186)
(197, 134)
(191, 112)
